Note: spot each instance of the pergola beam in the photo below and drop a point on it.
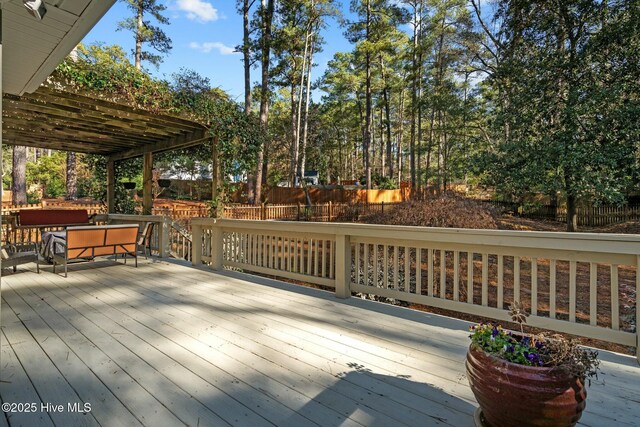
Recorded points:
(181, 141)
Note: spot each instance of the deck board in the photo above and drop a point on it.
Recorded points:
(168, 344)
(275, 359)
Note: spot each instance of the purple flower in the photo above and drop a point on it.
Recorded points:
(494, 332)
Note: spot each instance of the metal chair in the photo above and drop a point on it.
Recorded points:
(144, 239)
(15, 255)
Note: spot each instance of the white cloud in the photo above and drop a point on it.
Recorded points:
(207, 47)
(198, 10)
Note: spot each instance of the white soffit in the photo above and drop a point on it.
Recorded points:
(32, 49)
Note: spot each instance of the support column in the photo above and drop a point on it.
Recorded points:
(111, 186)
(147, 183)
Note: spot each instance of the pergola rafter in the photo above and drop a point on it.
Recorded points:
(55, 119)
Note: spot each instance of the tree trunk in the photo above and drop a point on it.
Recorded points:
(298, 151)
(399, 163)
(387, 112)
(572, 213)
(295, 147)
(305, 130)
(138, 58)
(246, 56)
(19, 175)
(368, 112)
(414, 99)
(72, 189)
(267, 17)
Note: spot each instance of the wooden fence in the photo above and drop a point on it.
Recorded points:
(286, 195)
(92, 208)
(590, 216)
(581, 284)
(327, 212)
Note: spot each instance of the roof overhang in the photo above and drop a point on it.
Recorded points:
(32, 49)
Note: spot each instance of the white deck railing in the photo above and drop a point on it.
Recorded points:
(582, 284)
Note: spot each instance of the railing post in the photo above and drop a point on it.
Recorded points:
(330, 211)
(165, 241)
(196, 244)
(216, 247)
(263, 212)
(343, 266)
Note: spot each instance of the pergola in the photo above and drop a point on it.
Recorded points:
(55, 119)
(34, 115)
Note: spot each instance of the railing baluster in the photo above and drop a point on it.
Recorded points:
(572, 291)
(396, 267)
(552, 288)
(470, 277)
(407, 271)
(534, 286)
(357, 264)
(430, 272)
(375, 265)
(385, 266)
(366, 264)
(456, 275)
(615, 304)
(296, 255)
(516, 279)
(418, 271)
(485, 279)
(316, 260)
(442, 291)
(500, 290)
(324, 258)
(593, 294)
(332, 258)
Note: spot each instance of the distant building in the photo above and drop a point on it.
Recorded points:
(310, 177)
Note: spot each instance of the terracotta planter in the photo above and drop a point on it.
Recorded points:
(516, 395)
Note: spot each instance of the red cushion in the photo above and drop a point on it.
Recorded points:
(53, 216)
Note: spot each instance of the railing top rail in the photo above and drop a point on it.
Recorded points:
(139, 218)
(580, 242)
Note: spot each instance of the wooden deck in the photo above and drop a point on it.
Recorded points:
(167, 344)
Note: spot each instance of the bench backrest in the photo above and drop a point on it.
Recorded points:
(101, 240)
(53, 216)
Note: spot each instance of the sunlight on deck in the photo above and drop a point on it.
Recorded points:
(167, 344)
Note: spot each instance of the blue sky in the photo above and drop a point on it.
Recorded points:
(204, 33)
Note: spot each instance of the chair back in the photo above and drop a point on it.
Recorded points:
(145, 236)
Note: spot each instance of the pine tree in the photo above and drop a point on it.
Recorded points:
(146, 33)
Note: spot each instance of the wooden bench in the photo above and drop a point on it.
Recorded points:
(87, 242)
(27, 225)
